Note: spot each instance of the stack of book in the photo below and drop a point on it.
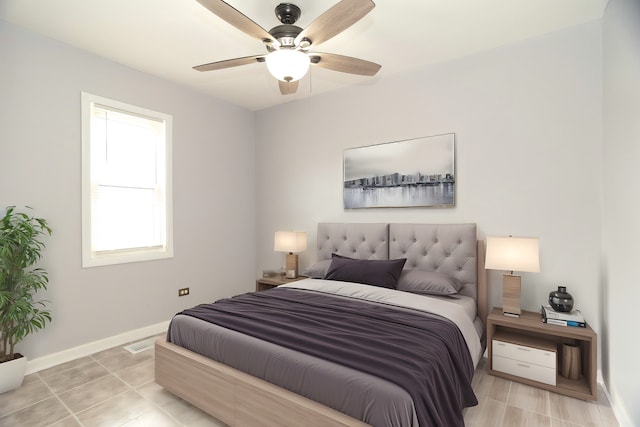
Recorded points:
(572, 318)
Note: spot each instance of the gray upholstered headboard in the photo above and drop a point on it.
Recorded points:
(361, 241)
(447, 248)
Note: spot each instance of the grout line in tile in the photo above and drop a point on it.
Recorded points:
(102, 401)
(42, 377)
(60, 400)
(506, 405)
(99, 363)
(162, 410)
(129, 388)
(80, 385)
(74, 414)
(32, 403)
(501, 416)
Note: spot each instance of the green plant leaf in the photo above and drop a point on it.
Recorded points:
(21, 248)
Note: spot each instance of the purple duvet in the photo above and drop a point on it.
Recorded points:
(425, 355)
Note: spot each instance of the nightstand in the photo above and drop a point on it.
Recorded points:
(526, 350)
(265, 283)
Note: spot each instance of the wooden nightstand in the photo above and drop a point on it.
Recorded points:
(526, 350)
(265, 283)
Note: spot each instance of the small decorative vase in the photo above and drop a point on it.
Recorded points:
(561, 300)
(571, 362)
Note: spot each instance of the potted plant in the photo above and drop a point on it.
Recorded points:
(20, 314)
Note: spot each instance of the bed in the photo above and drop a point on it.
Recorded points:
(244, 378)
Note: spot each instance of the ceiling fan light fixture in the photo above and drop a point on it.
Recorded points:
(287, 65)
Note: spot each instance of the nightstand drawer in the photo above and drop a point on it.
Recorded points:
(526, 354)
(524, 370)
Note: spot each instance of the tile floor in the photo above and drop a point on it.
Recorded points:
(504, 403)
(116, 388)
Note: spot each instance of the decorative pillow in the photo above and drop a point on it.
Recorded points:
(383, 273)
(317, 270)
(428, 282)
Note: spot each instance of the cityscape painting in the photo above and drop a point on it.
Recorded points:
(410, 173)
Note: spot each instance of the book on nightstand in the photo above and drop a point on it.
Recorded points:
(552, 317)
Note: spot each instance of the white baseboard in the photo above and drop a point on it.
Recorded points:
(618, 410)
(83, 350)
(621, 415)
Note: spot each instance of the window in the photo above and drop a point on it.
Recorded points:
(126, 176)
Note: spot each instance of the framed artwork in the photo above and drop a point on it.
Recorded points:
(410, 173)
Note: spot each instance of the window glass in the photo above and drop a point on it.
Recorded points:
(126, 176)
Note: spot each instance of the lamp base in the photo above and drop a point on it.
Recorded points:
(511, 295)
(291, 266)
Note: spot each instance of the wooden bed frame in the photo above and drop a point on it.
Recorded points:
(239, 399)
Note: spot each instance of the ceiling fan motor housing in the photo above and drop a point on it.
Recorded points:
(288, 13)
(285, 34)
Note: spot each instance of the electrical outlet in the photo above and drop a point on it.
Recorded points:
(183, 291)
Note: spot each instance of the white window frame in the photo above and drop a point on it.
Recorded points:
(91, 258)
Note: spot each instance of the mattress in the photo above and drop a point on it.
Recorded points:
(374, 400)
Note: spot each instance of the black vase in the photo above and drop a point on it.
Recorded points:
(561, 300)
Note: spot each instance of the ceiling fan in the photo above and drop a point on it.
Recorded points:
(288, 46)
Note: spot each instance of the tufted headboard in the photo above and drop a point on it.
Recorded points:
(361, 241)
(452, 249)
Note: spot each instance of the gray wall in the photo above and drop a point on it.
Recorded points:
(621, 207)
(528, 125)
(40, 166)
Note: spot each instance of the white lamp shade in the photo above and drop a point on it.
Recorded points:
(513, 254)
(290, 241)
(287, 65)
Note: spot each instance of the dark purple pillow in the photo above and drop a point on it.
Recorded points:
(383, 273)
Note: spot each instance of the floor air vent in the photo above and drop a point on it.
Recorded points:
(137, 347)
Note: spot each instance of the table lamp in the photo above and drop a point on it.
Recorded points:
(512, 254)
(290, 242)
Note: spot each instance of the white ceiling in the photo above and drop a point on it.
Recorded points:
(168, 37)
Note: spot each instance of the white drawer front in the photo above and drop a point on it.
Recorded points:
(524, 370)
(525, 354)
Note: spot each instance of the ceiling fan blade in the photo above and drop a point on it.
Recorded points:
(228, 63)
(287, 88)
(237, 19)
(335, 20)
(344, 64)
